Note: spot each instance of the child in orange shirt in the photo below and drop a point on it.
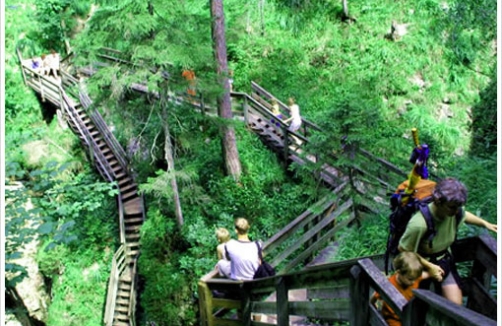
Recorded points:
(409, 273)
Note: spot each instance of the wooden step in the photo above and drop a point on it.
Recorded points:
(134, 228)
(127, 187)
(133, 220)
(125, 286)
(120, 323)
(121, 309)
(132, 236)
(130, 194)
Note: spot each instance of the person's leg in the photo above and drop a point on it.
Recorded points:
(451, 290)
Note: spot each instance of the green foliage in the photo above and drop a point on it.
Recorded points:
(79, 283)
(370, 238)
(484, 122)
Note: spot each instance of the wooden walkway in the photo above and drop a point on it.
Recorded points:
(290, 298)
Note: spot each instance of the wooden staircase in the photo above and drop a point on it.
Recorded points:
(108, 157)
(316, 228)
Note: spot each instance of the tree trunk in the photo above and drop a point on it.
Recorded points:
(170, 165)
(229, 146)
(345, 9)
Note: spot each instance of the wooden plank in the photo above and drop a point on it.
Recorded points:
(227, 322)
(226, 303)
(324, 309)
(381, 284)
(376, 318)
(282, 302)
(387, 165)
(340, 292)
(265, 307)
(319, 244)
(359, 287)
(326, 221)
(480, 300)
(449, 310)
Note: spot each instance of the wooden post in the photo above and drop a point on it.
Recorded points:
(41, 85)
(286, 143)
(246, 306)
(205, 305)
(245, 110)
(411, 315)
(359, 297)
(282, 302)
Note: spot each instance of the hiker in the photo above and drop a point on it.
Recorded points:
(53, 64)
(276, 112)
(243, 253)
(223, 264)
(409, 273)
(448, 196)
(35, 64)
(296, 120)
(189, 75)
(46, 64)
(231, 80)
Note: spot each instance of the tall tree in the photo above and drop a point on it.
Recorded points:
(229, 145)
(168, 149)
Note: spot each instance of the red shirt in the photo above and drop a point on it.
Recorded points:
(388, 314)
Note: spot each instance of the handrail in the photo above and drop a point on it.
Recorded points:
(451, 312)
(261, 91)
(345, 291)
(118, 266)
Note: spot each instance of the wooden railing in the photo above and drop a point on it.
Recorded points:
(481, 307)
(119, 265)
(337, 292)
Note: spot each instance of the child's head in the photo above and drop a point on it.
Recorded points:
(408, 266)
(222, 235)
(241, 225)
(291, 100)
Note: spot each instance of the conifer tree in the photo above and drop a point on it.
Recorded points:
(232, 162)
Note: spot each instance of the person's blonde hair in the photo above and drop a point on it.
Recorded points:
(407, 263)
(241, 225)
(222, 235)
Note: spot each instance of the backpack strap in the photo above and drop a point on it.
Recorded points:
(431, 231)
(259, 251)
(426, 213)
(226, 253)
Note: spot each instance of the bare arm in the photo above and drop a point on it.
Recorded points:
(475, 220)
(430, 270)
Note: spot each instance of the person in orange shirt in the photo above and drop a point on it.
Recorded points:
(189, 75)
(409, 273)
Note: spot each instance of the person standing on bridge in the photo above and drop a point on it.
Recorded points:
(449, 196)
(276, 112)
(242, 253)
(189, 75)
(296, 119)
(54, 64)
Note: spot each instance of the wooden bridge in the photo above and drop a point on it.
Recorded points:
(336, 292)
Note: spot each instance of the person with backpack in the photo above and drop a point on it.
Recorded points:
(242, 253)
(447, 210)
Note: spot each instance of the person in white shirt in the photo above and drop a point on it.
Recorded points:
(243, 253)
(296, 119)
(54, 64)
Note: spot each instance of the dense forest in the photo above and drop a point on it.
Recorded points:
(364, 71)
